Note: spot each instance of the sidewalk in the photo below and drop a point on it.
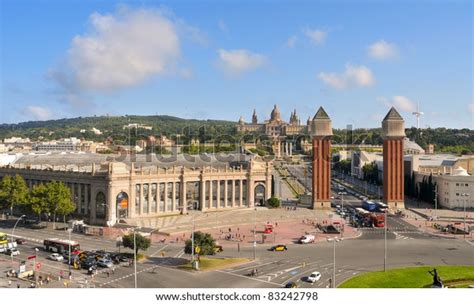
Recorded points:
(286, 231)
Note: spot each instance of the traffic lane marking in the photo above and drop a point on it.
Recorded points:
(250, 278)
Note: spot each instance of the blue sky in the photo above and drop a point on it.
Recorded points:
(222, 59)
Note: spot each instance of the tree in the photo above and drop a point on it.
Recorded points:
(58, 200)
(38, 202)
(204, 241)
(273, 202)
(143, 243)
(13, 191)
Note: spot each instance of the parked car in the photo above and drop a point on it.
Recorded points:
(56, 257)
(12, 251)
(20, 241)
(106, 263)
(279, 248)
(306, 239)
(88, 263)
(314, 277)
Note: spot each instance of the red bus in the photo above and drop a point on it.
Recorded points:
(61, 246)
(378, 220)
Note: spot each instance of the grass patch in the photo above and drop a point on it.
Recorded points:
(411, 277)
(215, 263)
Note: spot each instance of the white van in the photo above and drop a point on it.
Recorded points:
(306, 239)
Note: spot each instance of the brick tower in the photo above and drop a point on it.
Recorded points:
(321, 132)
(393, 133)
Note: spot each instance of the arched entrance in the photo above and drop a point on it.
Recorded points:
(259, 195)
(122, 205)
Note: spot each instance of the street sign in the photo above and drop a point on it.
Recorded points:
(197, 250)
(32, 257)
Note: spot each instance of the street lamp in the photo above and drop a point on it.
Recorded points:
(466, 195)
(13, 232)
(69, 257)
(334, 240)
(135, 254)
(255, 233)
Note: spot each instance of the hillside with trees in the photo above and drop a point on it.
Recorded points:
(459, 141)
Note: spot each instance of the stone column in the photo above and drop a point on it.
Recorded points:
(183, 195)
(291, 149)
(111, 217)
(173, 199)
(241, 192)
(166, 197)
(225, 194)
(202, 195)
(251, 192)
(233, 193)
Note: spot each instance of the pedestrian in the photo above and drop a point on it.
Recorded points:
(17, 285)
(9, 283)
(108, 273)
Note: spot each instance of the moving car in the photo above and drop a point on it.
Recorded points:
(306, 239)
(20, 241)
(56, 257)
(12, 251)
(279, 248)
(291, 285)
(106, 263)
(314, 277)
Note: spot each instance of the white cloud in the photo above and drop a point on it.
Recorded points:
(235, 62)
(399, 102)
(120, 50)
(36, 112)
(360, 76)
(383, 50)
(403, 103)
(291, 41)
(317, 36)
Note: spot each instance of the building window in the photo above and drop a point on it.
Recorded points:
(214, 194)
(162, 197)
(169, 197)
(145, 198)
(88, 199)
(83, 198)
(177, 195)
(137, 198)
(237, 192)
(154, 202)
(221, 193)
(193, 195)
(230, 189)
(457, 194)
(207, 194)
(457, 184)
(101, 206)
(76, 198)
